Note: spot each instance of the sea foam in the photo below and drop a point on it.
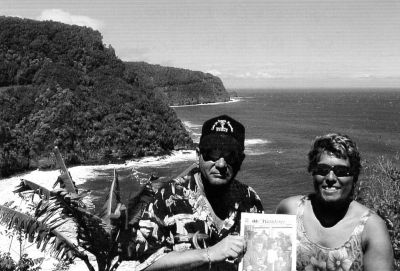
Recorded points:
(256, 141)
(232, 100)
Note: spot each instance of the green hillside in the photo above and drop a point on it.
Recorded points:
(178, 86)
(61, 86)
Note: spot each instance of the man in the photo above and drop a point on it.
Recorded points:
(256, 260)
(193, 221)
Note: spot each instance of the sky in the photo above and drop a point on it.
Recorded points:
(247, 43)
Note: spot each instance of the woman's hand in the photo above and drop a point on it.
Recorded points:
(231, 247)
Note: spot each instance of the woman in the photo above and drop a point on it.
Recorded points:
(334, 232)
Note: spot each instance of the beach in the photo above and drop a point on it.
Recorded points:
(81, 175)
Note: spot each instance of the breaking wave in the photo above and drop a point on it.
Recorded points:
(256, 146)
(232, 100)
(256, 141)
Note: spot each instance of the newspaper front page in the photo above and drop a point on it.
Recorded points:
(271, 242)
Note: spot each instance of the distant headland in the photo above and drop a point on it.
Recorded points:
(61, 86)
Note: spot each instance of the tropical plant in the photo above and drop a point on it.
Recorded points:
(24, 262)
(379, 189)
(106, 236)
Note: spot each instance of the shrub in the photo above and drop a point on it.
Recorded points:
(379, 189)
(6, 262)
(25, 263)
(61, 266)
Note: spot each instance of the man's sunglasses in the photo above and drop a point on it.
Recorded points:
(340, 171)
(231, 157)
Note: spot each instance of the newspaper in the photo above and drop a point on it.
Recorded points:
(271, 242)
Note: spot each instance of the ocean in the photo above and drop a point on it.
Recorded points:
(280, 127)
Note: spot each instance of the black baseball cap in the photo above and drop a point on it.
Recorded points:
(222, 132)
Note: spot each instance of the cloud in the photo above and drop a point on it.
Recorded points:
(128, 53)
(10, 13)
(369, 75)
(244, 75)
(261, 74)
(214, 72)
(167, 63)
(256, 71)
(364, 75)
(65, 17)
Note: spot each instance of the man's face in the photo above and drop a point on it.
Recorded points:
(216, 165)
(259, 247)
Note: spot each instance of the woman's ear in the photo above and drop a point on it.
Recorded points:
(198, 152)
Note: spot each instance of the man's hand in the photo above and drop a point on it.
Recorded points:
(231, 247)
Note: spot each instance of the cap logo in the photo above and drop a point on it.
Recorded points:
(222, 126)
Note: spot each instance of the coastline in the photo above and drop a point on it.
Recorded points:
(80, 174)
(232, 100)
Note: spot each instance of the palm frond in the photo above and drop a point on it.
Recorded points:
(92, 231)
(64, 179)
(26, 185)
(41, 233)
(70, 206)
(112, 200)
(138, 203)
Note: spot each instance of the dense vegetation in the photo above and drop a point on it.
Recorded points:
(61, 86)
(379, 189)
(177, 86)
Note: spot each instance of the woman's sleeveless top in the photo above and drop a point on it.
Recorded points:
(312, 256)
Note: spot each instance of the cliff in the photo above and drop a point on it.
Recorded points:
(61, 86)
(177, 86)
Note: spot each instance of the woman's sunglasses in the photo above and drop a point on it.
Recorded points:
(340, 171)
(231, 157)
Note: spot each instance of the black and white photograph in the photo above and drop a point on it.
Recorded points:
(134, 134)
(271, 242)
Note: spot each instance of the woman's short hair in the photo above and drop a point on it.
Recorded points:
(341, 146)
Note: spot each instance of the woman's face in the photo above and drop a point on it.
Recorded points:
(328, 186)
